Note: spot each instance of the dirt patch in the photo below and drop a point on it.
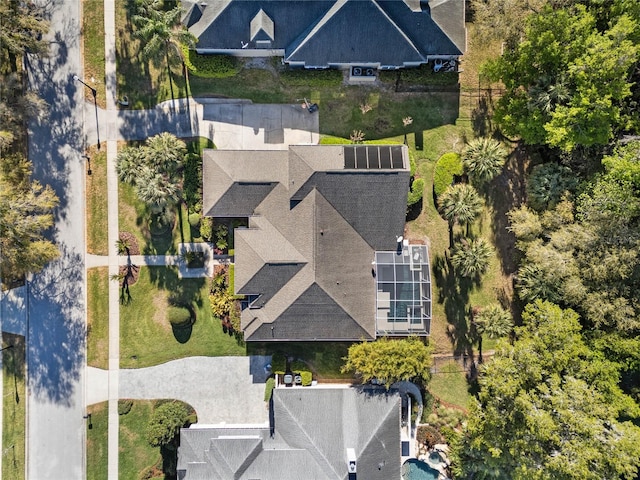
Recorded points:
(160, 312)
(130, 239)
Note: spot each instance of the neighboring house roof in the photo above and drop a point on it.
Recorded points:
(320, 33)
(311, 432)
(315, 223)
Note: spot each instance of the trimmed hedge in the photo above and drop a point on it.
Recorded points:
(210, 66)
(268, 388)
(422, 75)
(447, 166)
(416, 192)
(124, 406)
(179, 316)
(307, 378)
(194, 220)
(311, 78)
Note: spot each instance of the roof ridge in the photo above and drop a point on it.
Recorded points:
(382, 420)
(321, 23)
(309, 438)
(402, 33)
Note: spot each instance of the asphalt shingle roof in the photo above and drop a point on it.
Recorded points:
(319, 33)
(311, 238)
(313, 428)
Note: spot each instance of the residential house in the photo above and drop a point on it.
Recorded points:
(314, 434)
(322, 257)
(375, 34)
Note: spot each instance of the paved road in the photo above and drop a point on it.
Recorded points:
(221, 389)
(56, 300)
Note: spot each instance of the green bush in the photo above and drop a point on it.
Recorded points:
(447, 166)
(124, 406)
(416, 192)
(311, 78)
(422, 75)
(206, 228)
(278, 363)
(307, 377)
(268, 388)
(546, 185)
(210, 66)
(191, 419)
(329, 140)
(165, 423)
(179, 316)
(192, 181)
(194, 220)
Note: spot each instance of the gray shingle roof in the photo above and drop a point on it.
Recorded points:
(313, 427)
(323, 32)
(311, 237)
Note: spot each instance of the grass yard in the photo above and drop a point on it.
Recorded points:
(135, 454)
(325, 358)
(146, 336)
(97, 204)
(93, 41)
(449, 385)
(13, 407)
(98, 317)
(97, 442)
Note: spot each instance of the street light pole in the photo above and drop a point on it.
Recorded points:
(94, 92)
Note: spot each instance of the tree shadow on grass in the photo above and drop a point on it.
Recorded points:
(454, 293)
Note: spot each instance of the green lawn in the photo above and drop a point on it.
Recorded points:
(135, 454)
(97, 206)
(147, 338)
(98, 317)
(449, 384)
(13, 407)
(97, 442)
(93, 39)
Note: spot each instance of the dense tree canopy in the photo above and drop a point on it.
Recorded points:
(390, 360)
(567, 80)
(549, 407)
(588, 260)
(165, 423)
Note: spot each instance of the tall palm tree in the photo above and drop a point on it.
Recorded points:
(461, 204)
(494, 322)
(162, 33)
(129, 163)
(154, 190)
(483, 159)
(471, 257)
(165, 152)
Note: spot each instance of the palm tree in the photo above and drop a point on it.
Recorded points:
(494, 322)
(460, 203)
(533, 283)
(483, 158)
(155, 190)
(165, 152)
(129, 163)
(162, 33)
(471, 258)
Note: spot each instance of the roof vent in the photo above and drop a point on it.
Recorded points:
(351, 460)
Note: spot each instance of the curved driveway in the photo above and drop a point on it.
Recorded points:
(221, 389)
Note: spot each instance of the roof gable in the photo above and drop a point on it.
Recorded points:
(269, 280)
(355, 32)
(262, 23)
(241, 199)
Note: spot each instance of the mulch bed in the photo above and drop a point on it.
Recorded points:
(132, 271)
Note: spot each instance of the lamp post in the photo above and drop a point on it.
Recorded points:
(94, 92)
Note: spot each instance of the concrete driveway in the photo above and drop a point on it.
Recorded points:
(221, 389)
(248, 126)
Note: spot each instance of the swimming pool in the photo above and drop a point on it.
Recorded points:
(414, 469)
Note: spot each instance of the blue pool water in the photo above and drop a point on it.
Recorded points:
(414, 469)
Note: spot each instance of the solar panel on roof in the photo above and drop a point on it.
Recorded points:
(372, 153)
(349, 157)
(385, 158)
(361, 157)
(396, 157)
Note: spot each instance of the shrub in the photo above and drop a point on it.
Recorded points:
(422, 75)
(124, 406)
(191, 419)
(278, 363)
(210, 66)
(194, 220)
(311, 78)
(268, 388)
(329, 140)
(192, 180)
(165, 423)
(416, 191)
(428, 435)
(307, 377)
(206, 228)
(547, 184)
(447, 167)
(179, 316)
